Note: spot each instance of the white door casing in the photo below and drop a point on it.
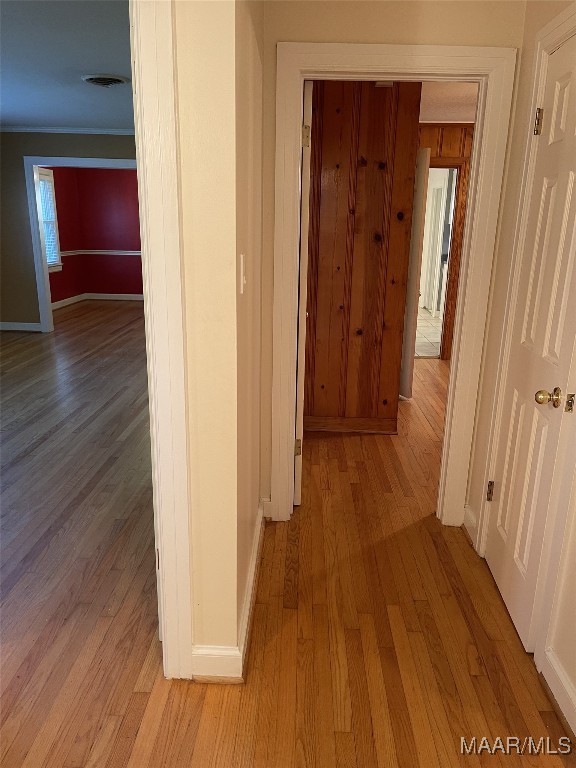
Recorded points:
(529, 465)
(303, 285)
(493, 70)
(154, 83)
(414, 271)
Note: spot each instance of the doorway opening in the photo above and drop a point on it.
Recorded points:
(76, 458)
(299, 62)
(374, 211)
(89, 246)
(438, 227)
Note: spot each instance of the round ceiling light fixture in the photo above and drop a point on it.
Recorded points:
(105, 81)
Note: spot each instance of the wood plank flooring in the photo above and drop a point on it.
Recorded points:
(378, 638)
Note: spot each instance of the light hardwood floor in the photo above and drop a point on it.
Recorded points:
(379, 638)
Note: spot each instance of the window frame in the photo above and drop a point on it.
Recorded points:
(47, 175)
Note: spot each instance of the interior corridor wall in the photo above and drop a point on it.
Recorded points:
(249, 50)
(205, 59)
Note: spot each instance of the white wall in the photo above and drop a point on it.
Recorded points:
(206, 94)
(219, 87)
(419, 21)
(249, 43)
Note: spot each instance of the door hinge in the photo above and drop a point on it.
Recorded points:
(157, 559)
(490, 490)
(305, 135)
(298, 447)
(538, 121)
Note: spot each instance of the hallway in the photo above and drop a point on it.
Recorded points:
(378, 638)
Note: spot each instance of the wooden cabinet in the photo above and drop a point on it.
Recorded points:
(364, 144)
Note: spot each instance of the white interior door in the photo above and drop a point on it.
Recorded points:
(531, 463)
(414, 270)
(433, 230)
(303, 286)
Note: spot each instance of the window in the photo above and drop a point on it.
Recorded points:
(47, 218)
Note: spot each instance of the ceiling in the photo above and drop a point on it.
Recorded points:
(448, 102)
(45, 47)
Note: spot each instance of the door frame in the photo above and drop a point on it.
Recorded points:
(40, 266)
(156, 132)
(548, 40)
(493, 69)
(455, 253)
(414, 272)
(303, 285)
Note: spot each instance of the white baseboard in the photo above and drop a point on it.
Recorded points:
(471, 524)
(21, 327)
(266, 505)
(563, 689)
(222, 663)
(217, 663)
(251, 584)
(66, 302)
(97, 297)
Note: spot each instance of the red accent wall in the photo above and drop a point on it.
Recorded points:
(67, 206)
(97, 211)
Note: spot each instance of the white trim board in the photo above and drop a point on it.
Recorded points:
(251, 583)
(21, 327)
(97, 297)
(153, 83)
(561, 686)
(226, 663)
(100, 253)
(89, 131)
(493, 70)
(40, 266)
(213, 662)
(447, 122)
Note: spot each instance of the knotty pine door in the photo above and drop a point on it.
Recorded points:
(364, 145)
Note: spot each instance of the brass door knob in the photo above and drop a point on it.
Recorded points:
(543, 397)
